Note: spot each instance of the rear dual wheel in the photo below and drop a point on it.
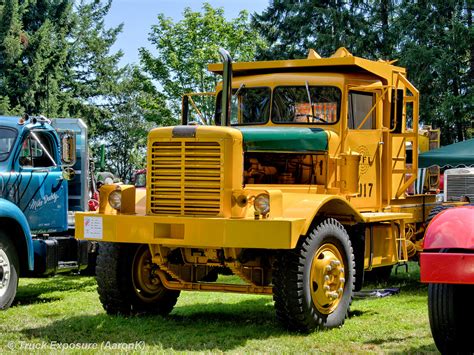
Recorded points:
(313, 284)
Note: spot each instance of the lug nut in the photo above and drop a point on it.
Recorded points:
(328, 268)
(340, 291)
(342, 280)
(326, 288)
(335, 263)
(326, 278)
(341, 270)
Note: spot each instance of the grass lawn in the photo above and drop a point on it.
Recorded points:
(65, 311)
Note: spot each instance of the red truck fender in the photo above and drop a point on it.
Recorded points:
(448, 254)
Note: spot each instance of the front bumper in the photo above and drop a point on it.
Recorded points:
(449, 268)
(190, 231)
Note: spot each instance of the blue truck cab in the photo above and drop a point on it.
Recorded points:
(43, 182)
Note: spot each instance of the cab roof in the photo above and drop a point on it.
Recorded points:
(342, 61)
(9, 121)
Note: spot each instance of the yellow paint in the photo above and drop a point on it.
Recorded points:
(278, 233)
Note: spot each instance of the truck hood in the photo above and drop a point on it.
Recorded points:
(287, 139)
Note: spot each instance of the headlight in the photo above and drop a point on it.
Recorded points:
(115, 199)
(262, 204)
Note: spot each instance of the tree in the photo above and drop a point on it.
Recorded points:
(32, 52)
(56, 59)
(125, 134)
(293, 27)
(93, 70)
(185, 48)
(436, 46)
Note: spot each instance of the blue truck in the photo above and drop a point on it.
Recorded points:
(44, 180)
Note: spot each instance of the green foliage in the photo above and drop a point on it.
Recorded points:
(292, 27)
(125, 135)
(433, 39)
(436, 47)
(93, 73)
(56, 60)
(185, 48)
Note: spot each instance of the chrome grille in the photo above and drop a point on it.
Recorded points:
(186, 178)
(459, 185)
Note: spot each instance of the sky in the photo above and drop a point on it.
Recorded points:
(139, 15)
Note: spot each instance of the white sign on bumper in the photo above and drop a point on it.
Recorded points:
(93, 228)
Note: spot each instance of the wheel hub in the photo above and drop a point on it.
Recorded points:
(4, 272)
(327, 278)
(146, 283)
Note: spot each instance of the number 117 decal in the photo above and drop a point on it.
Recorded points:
(365, 190)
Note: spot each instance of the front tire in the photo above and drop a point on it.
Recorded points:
(9, 267)
(451, 311)
(127, 283)
(313, 284)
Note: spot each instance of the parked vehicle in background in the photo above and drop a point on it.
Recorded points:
(447, 265)
(44, 181)
(458, 182)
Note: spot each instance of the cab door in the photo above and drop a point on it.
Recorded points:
(364, 136)
(41, 191)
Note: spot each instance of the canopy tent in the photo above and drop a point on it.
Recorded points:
(457, 154)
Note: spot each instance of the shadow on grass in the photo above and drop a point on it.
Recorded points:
(357, 313)
(413, 350)
(41, 290)
(408, 282)
(199, 327)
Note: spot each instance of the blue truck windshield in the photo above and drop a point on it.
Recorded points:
(7, 140)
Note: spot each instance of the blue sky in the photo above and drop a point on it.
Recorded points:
(139, 15)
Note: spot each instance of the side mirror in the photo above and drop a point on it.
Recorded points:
(68, 148)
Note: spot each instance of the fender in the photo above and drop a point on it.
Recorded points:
(310, 206)
(453, 228)
(10, 210)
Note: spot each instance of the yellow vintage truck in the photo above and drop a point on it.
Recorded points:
(299, 187)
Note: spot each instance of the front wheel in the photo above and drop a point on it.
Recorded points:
(9, 268)
(451, 312)
(314, 283)
(127, 282)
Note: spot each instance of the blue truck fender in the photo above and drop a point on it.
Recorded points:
(10, 211)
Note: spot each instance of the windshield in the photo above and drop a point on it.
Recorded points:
(7, 139)
(250, 105)
(306, 104)
(290, 104)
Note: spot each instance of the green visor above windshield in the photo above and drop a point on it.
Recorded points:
(284, 139)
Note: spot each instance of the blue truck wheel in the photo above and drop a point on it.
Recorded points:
(9, 268)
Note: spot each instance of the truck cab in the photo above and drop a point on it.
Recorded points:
(43, 182)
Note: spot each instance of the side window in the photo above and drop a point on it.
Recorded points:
(360, 104)
(37, 151)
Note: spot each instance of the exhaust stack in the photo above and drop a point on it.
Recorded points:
(226, 86)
